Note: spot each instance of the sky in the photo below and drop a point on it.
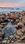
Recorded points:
(12, 3)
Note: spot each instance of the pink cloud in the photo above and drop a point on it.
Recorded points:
(11, 5)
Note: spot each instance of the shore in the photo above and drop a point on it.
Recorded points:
(13, 18)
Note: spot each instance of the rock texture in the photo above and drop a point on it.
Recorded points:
(16, 33)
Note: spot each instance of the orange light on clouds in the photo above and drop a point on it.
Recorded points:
(11, 5)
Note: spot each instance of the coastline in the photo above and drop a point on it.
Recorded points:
(14, 18)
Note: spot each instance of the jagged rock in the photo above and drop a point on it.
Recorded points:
(12, 41)
(10, 32)
(1, 26)
(22, 37)
(3, 23)
(9, 20)
(23, 21)
(19, 32)
(23, 30)
(20, 17)
(8, 41)
(17, 36)
(12, 36)
(20, 25)
(6, 38)
(4, 42)
(17, 21)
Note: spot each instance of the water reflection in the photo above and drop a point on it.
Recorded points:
(9, 30)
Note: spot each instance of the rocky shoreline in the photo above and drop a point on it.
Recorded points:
(17, 18)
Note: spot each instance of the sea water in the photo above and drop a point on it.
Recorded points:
(7, 10)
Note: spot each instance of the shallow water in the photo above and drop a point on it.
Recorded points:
(9, 30)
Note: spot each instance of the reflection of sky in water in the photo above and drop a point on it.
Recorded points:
(6, 10)
(9, 30)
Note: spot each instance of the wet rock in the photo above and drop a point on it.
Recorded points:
(5, 38)
(3, 23)
(12, 41)
(12, 21)
(5, 20)
(12, 36)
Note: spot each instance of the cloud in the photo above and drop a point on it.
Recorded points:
(16, 1)
(12, 5)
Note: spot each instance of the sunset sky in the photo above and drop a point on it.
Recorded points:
(12, 3)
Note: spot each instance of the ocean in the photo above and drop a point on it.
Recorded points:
(8, 10)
